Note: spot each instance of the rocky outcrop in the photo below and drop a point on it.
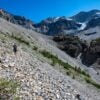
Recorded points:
(70, 44)
(91, 54)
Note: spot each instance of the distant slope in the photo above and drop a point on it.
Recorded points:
(19, 20)
(84, 16)
(57, 25)
(89, 34)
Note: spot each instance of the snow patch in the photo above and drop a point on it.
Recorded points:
(83, 25)
(66, 18)
(69, 19)
(56, 19)
(98, 13)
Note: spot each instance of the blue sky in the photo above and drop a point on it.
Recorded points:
(37, 10)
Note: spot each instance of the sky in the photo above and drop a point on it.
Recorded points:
(37, 10)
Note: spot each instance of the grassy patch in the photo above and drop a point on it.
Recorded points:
(79, 70)
(98, 40)
(7, 88)
(90, 81)
(17, 98)
(69, 69)
(20, 39)
(56, 60)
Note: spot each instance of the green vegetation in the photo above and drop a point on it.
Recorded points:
(90, 81)
(73, 77)
(56, 60)
(20, 39)
(69, 69)
(35, 48)
(98, 40)
(79, 70)
(7, 88)
(17, 98)
(68, 73)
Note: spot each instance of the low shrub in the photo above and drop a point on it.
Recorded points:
(70, 69)
(79, 70)
(90, 81)
(84, 73)
(68, 73)
(7, 88)
(73, 77)
(55, 59)
(98, 40)
(20, 39)
(35, 48)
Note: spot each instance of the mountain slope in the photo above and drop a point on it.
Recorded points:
(38, 79)
(89, 34)
(72, 25)
(19, 20)
(85, 16)
(57, 25)
(93, 23)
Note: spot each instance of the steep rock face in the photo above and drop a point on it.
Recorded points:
(70, 44)
(19, 20)
(91, 54)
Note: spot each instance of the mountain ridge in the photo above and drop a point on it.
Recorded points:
(16, 19)
(47, 23)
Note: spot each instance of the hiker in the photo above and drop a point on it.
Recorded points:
(14, 48)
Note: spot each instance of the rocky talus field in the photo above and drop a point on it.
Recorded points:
(38, 70)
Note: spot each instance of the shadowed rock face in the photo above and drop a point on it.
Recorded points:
(74, 46)
(92, 54)
(70, 44)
